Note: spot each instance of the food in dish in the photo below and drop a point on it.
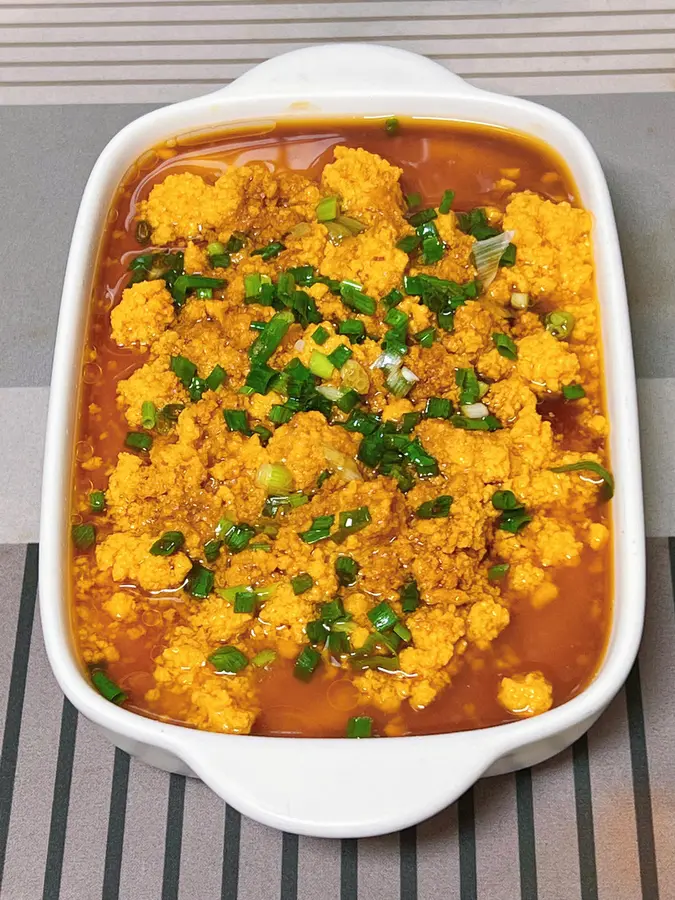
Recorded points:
(342, 463)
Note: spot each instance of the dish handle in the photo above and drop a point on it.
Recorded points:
(338, 788)
(373, 68)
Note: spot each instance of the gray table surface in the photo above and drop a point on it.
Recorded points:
(79, 820)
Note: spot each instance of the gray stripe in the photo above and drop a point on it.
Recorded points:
(259, 860)
(349, 874)
(60, 803)
(231, 848)
(289, 867)
(467, 847)
(379, 867)
(641, 786)
(174, 837)
(588, 874)
(320, 869)
(438, 862)
(408, 840)
(118, 810)
(497, 838)
(15, 698)
(526, 835)
(144, 833)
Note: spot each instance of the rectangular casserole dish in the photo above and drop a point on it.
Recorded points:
(273, 779)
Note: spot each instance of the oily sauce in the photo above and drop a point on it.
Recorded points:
(567, 637)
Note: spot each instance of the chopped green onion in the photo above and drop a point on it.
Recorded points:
(509, 256)
(319, 530)
(270, 337)
(169, 543)
(237, 420)
(252, 285)
(413, 200)
(323, 478)
(216, 378)
(204, 293)
(391, 126)
(303, 275)
(589, 465)
(148, 414)
(393, 298)
(245, 602)
(408, 243)
(264, 434)
(212, 550)
(489, 423)
(275, 478)
(185, 283)
(199, 581)
(506, 347)
(353, 297)
(228, 660)
(425, 464)
(487, 255)
(219, 261)
(422, 217)
(316, 631)
(360, 727)
(363, 422)
(435, 509)
(383, 617)
(280, 414)
(404, 633)
(235, 242)
(447, 200)
(354, 329)
(259, 379)
(383, 663)
(215, 248)
(320, 365)
(347, 401)
(301, 583)
(410, 596)
(426, 337)
(306, 663)
(264, 658)
(340, 355)
(107, 687)
(347, 570)
(475, 223)
(97, 501)
(506, 500)
(351, 521)
(270, 251)
(137, 440)
(573, 392)
(184, 370)
(437, 408)
(260, 545)
(396, 318)
(320, 336)
(237, 537)
(274, 503)
(400, 381)
(433, 247)
(327, 209)
(468, 384)
(332, 610)
(409, 421)
(495, 573)
(84, 536)
(559, 324)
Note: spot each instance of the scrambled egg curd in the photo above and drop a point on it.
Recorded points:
(338, 445)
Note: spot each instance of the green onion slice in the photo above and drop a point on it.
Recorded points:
(301, 583)
(383, 616)
(319, 530)
(228, 660)
(306, 663)
(97, 501)
(148, 414)
(360, 727)
(410, 596)
(391, 126)
(107, 687)
(263, 659)
(237, 420)
(435, 509)
(272, 249)
(199, 581)
(438, 408)
(506, 347)
(320, 336)
(327, 209)
(589, 465)
(83, 535)
(347, 570)
(270, 337)
(447, 200)
(496, 573)
(169, 543)
(351, 522)
(137, 440)
(559, 324)
(573, 392)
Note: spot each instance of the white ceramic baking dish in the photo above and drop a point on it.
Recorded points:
(274, 780)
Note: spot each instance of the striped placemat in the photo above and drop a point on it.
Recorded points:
(80, 820)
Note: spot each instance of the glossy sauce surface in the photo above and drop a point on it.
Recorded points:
(566, 637)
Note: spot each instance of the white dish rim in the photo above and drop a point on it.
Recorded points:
(273, 779)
